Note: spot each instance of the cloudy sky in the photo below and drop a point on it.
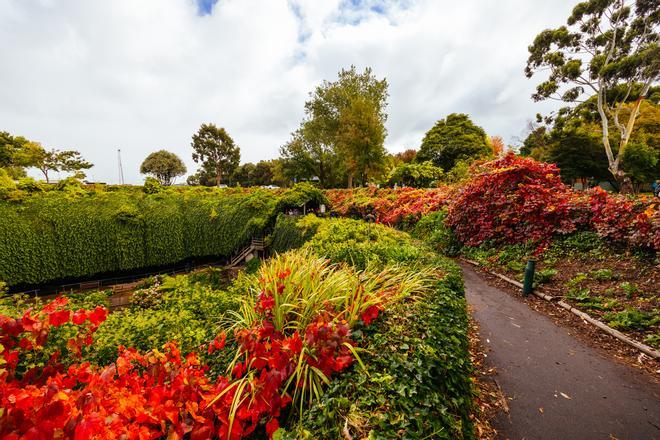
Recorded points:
(142, 75)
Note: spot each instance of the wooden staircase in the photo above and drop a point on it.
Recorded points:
(256, 245)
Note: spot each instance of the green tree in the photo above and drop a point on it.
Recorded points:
(164, 166)
(10, 148)
(453, 139)
(360, 138)
(32, 154)
(608, 45)
(417, 175)
(343, 131)
(578, 154)
(215, 149)
(303, 158)
(260, 174)
(205, 176)
(244, 174)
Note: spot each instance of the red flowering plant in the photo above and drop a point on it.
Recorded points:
(395, 207)
(632, 221)
(24, 339)
(297, 327)
(514, 200)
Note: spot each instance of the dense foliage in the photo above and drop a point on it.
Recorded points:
(292, 232)
(416, 383)
(415, 357)
(79, 232)
(453, 139)
(519, 200)
(515, 200)
(395, 207)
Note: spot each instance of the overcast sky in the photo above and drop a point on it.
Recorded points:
(142, 75)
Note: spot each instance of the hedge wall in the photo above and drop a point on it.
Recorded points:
(56, 235)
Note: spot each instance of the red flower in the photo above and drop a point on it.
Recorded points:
(25, 344)
(98, 315)
(79, 317)
(370, 314)
(58, 318)
(218, 344)
(293, 343)
(342, 362)
(11, 357)
(272, 426)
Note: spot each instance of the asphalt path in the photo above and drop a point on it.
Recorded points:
(557, 387)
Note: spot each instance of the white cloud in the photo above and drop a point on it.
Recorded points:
(94, 75)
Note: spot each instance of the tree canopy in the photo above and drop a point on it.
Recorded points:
(32, 154)
(572, 140)
(453, 139)
(342, 134)
(263, 173)
(607, 46)
(416, 175)
(164, 166)
(216, 151)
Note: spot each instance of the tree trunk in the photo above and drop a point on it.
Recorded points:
(625, 184)
(217, 177)
(350, 180)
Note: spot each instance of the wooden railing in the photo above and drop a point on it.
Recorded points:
(256, 245)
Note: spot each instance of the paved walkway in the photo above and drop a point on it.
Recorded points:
(561, 389)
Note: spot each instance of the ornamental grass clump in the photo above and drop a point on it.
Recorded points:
(302, 308)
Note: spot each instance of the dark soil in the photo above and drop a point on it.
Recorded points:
(609, 295)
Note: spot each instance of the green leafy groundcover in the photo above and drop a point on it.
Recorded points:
(416, 383)
(346, 240)
(59, 234)
(416, 377)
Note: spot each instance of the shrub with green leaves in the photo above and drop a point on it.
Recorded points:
(433, 230)
(416, 383)
(187, 309)
(362, 244)
(292, 232)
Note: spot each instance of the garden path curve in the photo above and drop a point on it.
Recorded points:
(559, 388)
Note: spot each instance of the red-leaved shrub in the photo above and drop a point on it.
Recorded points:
(159, 394)
(514, 200)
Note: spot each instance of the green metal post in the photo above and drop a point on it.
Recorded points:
(528, 283)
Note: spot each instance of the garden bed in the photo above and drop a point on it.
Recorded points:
(319, 349)
(618, 288)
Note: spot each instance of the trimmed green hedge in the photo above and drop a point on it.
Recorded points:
(292, 232)
(56, 235)
(346, 240)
